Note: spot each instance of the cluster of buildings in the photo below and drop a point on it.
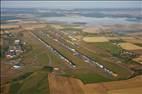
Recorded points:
(15, 50)
(12, 47)
(127, 54)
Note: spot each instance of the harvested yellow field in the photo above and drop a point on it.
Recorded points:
(33, 26)
(113, 38)
(127, 91)
(9, 26)
(95, 39)
(5, 89)
(64, 85)
(124, 84)
(135, 34)
(131, 39)
(97, 29)
(126, 38)
(68, 85)
(91, 30)
(130, 86)
(79, 37)
(134, 40)
(28, 22)
(13, 20)
(130, 46)
(57, 26)
(138, 59)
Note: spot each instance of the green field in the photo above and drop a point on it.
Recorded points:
(31, 83)
(91, 78)
(115, 51)
(111, 48)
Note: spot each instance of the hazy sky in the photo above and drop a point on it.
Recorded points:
(72, 4)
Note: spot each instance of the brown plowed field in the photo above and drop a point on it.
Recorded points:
(64, 85)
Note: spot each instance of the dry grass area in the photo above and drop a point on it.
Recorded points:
(28, 22)
(56, 26)
(9, 26)
(97, 29)
(33, 26)
(6, 72)
(14, 20)
(117, 87)
(91, 30)
(131, 39)
(131, 86)
(124, 84)
(64, 85)
(134, 40)
(95, 39)
(126, 91)
(138, 59)
(135, 34)
(68, 85)
(5, 89)
(127, 38)
(113, 38)
(130, 46)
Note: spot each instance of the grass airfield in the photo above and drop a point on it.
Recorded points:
(77, 61)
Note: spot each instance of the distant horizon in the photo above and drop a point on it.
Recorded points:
(68, 9)
(71, 4)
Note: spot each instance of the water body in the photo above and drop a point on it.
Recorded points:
(91, 20)
(4, 18)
